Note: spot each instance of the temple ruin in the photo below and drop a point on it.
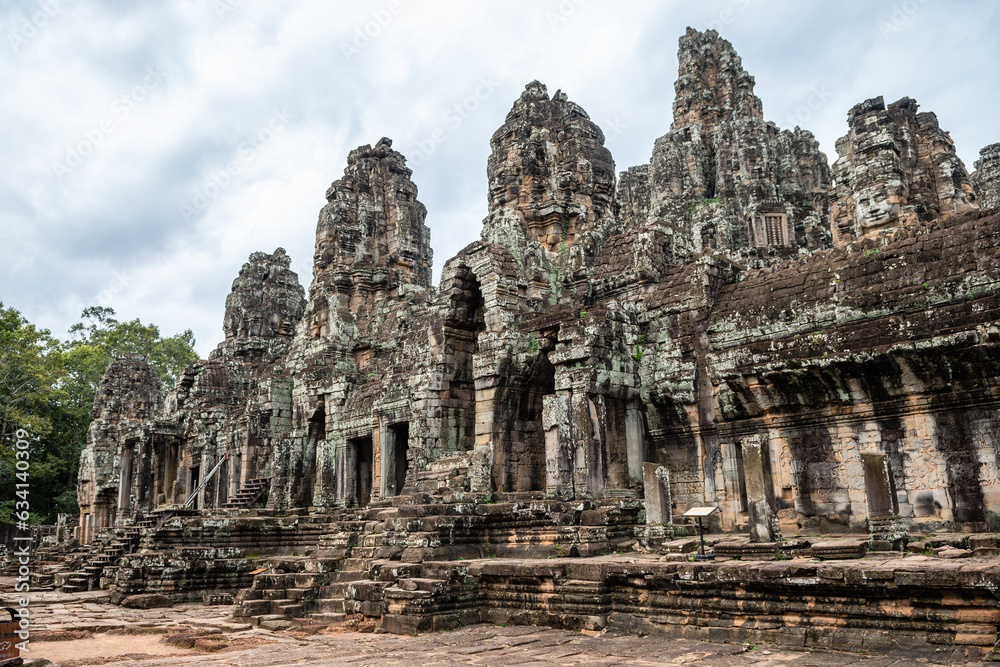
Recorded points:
(814, 350)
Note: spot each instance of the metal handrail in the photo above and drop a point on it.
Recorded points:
(194, 494)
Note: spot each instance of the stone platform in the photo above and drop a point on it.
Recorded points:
(78, 624)
(891, 602)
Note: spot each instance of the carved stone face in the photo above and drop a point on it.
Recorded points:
(550, 167)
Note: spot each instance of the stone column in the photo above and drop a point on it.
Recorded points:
(387, 462)
(659, 505)
(558, 445)
(635, 447)
(756, 467)
(590, 464)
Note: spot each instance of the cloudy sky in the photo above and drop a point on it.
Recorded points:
(148, 148)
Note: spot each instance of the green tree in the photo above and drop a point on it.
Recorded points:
(31, 398)
(30, 369)
(99, 338)
(48, 387)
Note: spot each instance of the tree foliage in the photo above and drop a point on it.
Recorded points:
(47, 388)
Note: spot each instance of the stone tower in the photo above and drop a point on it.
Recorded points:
(128, 398)
(896, 167)
(551, 189)
(263, 308)
(733, 182)
(986, 178)
(371, 240)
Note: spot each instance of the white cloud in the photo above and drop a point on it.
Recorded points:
(349, 74)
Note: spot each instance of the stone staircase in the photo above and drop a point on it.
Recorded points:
(403, 554)
(85, 578)
(249, 494)
(441, 476)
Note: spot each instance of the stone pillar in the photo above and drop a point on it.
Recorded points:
(590, 467)
(659, 506)
(378, 460)
(481, 469)
(880, 487)
(634, 445)
(558, 445)
(347, 474)
(387, 461)
(756, 467)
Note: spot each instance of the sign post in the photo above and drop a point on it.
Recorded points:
(699, 513)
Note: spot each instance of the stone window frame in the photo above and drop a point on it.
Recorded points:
(775, 229)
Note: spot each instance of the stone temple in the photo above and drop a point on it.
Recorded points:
(813, 350)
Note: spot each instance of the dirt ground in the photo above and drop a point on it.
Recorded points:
(73, 630)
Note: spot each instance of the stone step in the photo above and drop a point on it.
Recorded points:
(421, 584)
(254, 607)
(292, 610)
(275, 606)
(328, 617)
(329, 606)
(270, 622)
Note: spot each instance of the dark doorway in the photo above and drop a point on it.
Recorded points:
(363, 470)
(466, 321)
(125, 480)
(741, 474)
(194, 479)
(306, 467)
(222, 484)
(395, 463)
(520, 441)
(880, 486)
(615, 447)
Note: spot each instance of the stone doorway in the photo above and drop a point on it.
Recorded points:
(222, 484)
(520, 441)
(306, 465)
(363, 466)
(880, 487)
(466, 322)
(394, 463)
